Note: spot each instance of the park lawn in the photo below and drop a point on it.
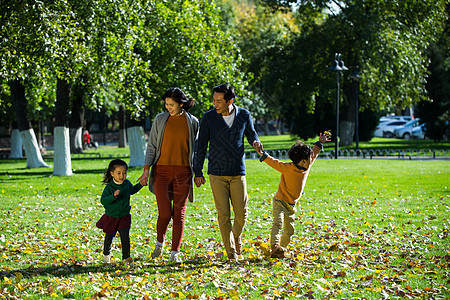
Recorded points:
(277, 142)
(368, 229)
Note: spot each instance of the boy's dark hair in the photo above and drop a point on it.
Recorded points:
(299, 151)
(107, 178)
(228, 90)
(178, 96)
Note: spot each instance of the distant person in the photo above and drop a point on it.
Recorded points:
(116, 200)
(224, 128)
(170, 152)
(86, 139)
(293, 180)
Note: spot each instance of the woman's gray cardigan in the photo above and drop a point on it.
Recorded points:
(155, 142)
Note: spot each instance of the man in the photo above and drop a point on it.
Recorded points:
(224, 128)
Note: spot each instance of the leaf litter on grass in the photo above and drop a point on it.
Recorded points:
(349, 243)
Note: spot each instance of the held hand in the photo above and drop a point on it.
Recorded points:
(144, 178)
(260, 152)
(258, 147)
(116, 193)
(199, 181)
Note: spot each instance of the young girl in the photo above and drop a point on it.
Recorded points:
(116, 200)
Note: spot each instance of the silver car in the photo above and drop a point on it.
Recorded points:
(405, 131)
(386, 129)
(418, 132)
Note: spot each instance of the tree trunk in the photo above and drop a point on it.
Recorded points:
(76, 139)
(282, 127)
(137, 146)
(34, 157)
(76, 120)
(16, 144)
(62, 160)
(122, 130)
(266, 127)
(347, 130)
(278, 127)
(347, 125)
(136, 140)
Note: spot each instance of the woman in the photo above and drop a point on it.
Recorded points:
(170, 152)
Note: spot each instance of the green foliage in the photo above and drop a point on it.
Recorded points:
(182, 44)
(122, 51)
(261, 34)
(436, 112)
(387, 40)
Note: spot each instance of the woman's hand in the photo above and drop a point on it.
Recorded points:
(199, 181)
(144, 178)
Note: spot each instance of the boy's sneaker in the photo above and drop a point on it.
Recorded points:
(234, 259)
(238, 245)
(158, 251)
(277, 252)
(176, 257)
(107, 259)
(128, 261)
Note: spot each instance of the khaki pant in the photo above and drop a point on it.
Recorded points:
(283, 214)
(224, 189)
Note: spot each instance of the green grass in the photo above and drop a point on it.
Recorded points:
(372, 229)
(282, 142)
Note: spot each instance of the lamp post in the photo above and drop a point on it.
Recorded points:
(338, 66)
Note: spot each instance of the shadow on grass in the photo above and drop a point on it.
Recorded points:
(46, 172)
(141, 267)
(16, 175)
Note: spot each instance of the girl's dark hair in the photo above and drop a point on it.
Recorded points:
(299, 151)
(227, 89)
(178, 96)
(107, 178)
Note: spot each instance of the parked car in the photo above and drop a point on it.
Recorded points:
(395, 118)
(404, 132)
(418, 132)
(386, 129)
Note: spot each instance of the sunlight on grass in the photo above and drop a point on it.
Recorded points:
(373, 229)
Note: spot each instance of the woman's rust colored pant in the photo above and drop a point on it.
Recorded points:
(172, 187)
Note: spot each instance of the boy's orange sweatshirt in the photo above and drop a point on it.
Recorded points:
(293, 177)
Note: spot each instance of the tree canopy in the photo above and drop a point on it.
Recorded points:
(386, 41)
(129, 52)
(123, 51)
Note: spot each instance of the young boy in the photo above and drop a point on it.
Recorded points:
(293, 180)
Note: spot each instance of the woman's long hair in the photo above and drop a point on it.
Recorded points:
(178, 96)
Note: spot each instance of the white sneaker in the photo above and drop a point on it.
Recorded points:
(107, 259)
(176, 257)
(158, 251)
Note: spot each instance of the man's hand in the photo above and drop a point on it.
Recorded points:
(258, 147)
(199, 181)
(144, 178)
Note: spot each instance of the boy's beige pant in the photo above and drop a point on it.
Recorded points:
(283, 212)
(224, 189)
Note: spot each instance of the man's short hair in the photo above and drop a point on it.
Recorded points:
(227, 90)
(299, 151)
